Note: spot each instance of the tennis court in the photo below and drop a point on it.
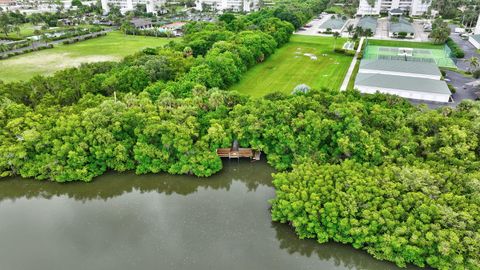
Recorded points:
(438, 56)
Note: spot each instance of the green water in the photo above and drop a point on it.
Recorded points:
(124, 221)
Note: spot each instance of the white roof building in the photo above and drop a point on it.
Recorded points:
(408, 79)
(412, 7)
(128, 5)
(233, 5)
(475, 41)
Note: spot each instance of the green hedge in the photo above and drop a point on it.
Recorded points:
(456, 50)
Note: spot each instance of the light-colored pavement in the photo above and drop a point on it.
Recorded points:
(352, 66)
(467, 47)
(316, 23)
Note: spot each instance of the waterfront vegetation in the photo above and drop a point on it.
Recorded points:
(304, 60)
(113, 47)
(373, 171)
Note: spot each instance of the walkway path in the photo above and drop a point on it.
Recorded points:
(352, 66)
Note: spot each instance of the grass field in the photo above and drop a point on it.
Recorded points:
(112, 47)
(26, 30)
(295, 64)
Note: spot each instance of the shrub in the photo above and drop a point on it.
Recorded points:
(402, 34)
(452, 88)
(456, 50)
(476, 74)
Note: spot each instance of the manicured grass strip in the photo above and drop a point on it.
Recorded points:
(112, 47)
(351, 83)
(294, 64)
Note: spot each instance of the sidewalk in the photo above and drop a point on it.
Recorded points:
(352, 66)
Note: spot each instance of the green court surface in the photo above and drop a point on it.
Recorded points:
(440, 56)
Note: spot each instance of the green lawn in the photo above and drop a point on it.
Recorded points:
(292, 65)
(26, 30)
(112, 47)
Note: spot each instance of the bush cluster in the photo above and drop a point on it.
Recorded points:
(37, 48)
(456, 50)
(78, 39)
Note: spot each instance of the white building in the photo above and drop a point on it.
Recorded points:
(412, 7)
(413, 80)
(128, 5)
(475, 41)
(233, 5)
(477, 28)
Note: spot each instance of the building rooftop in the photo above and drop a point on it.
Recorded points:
(401, 26)
(402, 83)
(368, 22)
(476, 38)
(336, 23)
(424, 68)
(140, 22)
(395, 11)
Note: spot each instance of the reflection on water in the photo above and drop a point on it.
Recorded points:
(124, 221)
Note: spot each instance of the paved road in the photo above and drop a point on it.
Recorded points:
(41, 43)
(469, 49)
(460, 82)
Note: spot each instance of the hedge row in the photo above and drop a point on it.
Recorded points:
(75, 40)
(456, 50)
(39, 48)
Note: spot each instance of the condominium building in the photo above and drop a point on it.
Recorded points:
(128, 5)
(234, 5)
(411, 7)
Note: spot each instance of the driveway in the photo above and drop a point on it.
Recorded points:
(469, 49)
(460, 82)
(315, 23)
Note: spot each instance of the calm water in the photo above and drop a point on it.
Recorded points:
(123, 221)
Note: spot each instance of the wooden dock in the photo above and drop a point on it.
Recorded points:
(239, 153)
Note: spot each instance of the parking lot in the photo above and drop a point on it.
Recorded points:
(316, 23)
(382, 31)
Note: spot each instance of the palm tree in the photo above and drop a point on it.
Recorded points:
(17, 29)
(350, 29)
(336, 35)
(473, 62)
